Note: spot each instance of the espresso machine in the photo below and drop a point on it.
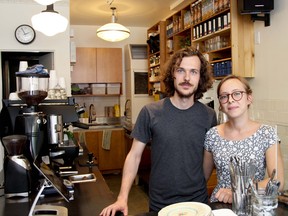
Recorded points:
(60, 147)
(41, 121)
(17, 168)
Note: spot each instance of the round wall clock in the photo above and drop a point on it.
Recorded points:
(25, 34)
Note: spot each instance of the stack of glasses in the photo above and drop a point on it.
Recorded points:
(247, 198)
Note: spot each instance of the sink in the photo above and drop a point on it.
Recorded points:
(104, 122)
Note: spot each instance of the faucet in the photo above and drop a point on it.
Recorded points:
(127, 112)
(92, 113)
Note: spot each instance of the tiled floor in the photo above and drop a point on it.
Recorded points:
(138, 197)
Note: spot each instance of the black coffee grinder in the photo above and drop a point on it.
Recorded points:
(16, 167)
(32, 89)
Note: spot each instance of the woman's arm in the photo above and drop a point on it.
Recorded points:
(208, 164)
(274, 161)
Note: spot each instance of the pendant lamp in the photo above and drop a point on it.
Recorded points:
(113, 31)
(49, 22)
(46, 2)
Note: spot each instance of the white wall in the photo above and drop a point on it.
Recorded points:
(271, 55)
(270, 83)
(15, 13)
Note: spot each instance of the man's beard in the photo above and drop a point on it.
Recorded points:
(187, 95)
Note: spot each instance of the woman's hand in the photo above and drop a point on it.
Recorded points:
(224, 195)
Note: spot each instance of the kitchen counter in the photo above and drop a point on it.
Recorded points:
(89, 198)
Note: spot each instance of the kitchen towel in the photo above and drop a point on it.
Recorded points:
(106, 139)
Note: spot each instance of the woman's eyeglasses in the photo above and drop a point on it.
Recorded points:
(237, 96)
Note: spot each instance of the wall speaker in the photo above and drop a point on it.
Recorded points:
(255, 6)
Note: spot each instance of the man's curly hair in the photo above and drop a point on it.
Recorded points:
(206, 76)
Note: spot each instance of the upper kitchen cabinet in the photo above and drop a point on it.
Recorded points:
(217, 29)
(109, 65)
(97, 65)
(84, 70)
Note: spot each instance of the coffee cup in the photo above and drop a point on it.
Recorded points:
(13, 96)
(23, 65)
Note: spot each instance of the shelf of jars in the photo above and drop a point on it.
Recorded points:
(178, 41)
(207, 25)
(221, 61)
(156, 53)
(222, 32)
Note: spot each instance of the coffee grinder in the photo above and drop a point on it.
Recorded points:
(32, 89)
(16, 167)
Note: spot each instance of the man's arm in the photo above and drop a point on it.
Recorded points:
(129, 173)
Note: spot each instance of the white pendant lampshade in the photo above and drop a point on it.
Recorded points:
(49, 22)
(113, 31)
(46, 2)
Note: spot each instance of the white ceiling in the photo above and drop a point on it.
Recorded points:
(134, 13)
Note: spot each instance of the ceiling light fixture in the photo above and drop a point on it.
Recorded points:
(46, 2)
(113, 31)
(49, 22)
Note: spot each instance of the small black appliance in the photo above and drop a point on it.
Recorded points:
(16, 167)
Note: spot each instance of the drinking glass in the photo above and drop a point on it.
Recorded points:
(264, 205)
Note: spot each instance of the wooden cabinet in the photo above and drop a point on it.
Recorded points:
(108, 160)
(109, 65)
(212, 182)
(156, 56)
(113, 159)
(97, 65)
(84, 71)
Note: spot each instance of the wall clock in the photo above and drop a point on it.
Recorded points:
(25, 34)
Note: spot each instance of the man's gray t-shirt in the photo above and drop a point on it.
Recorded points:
(177, 140)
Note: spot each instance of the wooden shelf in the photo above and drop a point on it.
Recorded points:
(155, 65)
(222, 32)
(221, 60)
(160, 30)
(214, 15)
(96, 95)
(219, 50)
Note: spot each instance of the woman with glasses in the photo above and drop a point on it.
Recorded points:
(242, 137)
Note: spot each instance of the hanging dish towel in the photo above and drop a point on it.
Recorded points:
(106, 139)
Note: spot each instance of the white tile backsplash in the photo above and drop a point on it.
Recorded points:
(99, 103)
(275, 112)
